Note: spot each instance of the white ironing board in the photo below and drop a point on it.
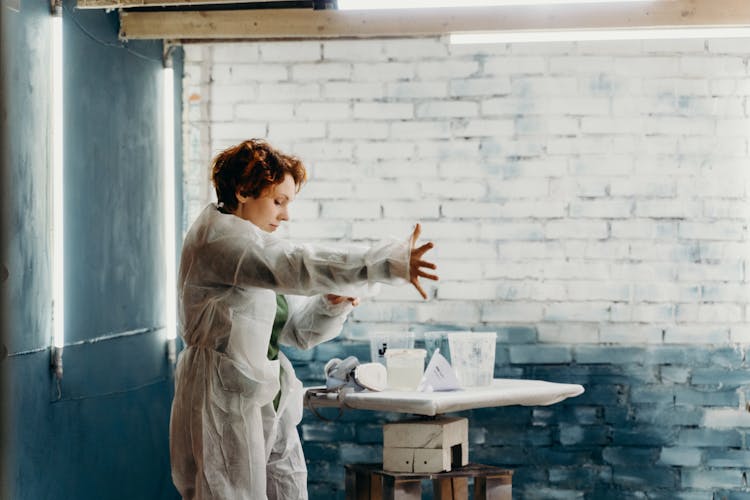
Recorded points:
(502, 392)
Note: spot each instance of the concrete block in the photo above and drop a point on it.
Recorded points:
(425, 445)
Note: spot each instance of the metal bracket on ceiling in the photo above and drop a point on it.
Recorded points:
(325, 5)
(167, 50)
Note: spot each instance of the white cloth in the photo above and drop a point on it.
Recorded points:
(502, 392)
(226, 439)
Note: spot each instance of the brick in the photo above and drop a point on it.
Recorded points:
(355, 453)
(726, 418)
(540, 354)
(383, 110)
(264, 111)
(385, 71)
(512, 312)
(323, 110)
(248, 73)
(459, 313)
(414, 48)
(725, 378)
(607, 354)
(326, 431)
(572, 435)
(503, 435)
(447, 109)
(353, 90)
(666, 416)
(418, 90)
(681, 456)
(352, 50)
(295, 130)
(712, 231)
(288, 92)
(712, 478)
(630, 334)
(710, 438)
(727, 458)
(572, 311)
(420, 130)
(465, 149)
(483, 128)
(647, 436)
(576, 476)
(358, 130)
(292, 51)
(640, 313)
(321, 71)
(567, 333)
(441, 70)
(627, 455)
(576, 229)
(638, 476)
(323, 150)
(515, 65)
(411, 209)
(225, 52)
(537, 492)
(706, 335)
(349, 209)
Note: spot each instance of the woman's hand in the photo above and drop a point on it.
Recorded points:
(416, 264)
(338, 299)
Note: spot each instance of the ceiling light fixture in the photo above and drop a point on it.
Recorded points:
(428, 4)
(596, 35)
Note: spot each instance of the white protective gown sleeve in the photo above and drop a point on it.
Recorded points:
(226, 439)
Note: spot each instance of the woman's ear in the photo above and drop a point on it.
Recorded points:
(241, 198)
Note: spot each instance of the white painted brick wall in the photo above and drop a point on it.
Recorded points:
(595, 191)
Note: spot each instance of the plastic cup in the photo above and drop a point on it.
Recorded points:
(380, 342)
(473, 357)
(437, 340)
(405, 368)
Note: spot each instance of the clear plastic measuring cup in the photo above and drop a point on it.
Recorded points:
(380, 342)
(473, 357)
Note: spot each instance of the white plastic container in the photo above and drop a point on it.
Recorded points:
(473, 357)
(380, 342)
(405, 368)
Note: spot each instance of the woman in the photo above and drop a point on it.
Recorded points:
(242, 292)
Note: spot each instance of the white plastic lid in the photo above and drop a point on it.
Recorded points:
(406, 353)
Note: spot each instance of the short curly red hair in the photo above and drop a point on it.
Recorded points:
(250, 168)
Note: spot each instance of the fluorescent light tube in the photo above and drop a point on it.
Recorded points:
(426, 4)
(58, 260)
(169, 205)
(591, 35)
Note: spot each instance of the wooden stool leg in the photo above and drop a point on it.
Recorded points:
(401, 489)
(455, 488)
(357, 485)
(493, 488)
(376, 486)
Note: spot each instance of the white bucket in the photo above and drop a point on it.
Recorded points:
(405, 368)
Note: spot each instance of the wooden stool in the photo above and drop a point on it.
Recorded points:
(371, 482)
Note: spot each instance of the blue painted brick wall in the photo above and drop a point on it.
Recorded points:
(621, 439)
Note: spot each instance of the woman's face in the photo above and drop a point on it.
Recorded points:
(270, 208)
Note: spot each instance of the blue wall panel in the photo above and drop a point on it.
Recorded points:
(103, 431)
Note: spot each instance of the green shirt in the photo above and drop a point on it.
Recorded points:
(282, 314)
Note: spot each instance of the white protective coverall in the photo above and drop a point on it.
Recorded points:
(226, 439)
